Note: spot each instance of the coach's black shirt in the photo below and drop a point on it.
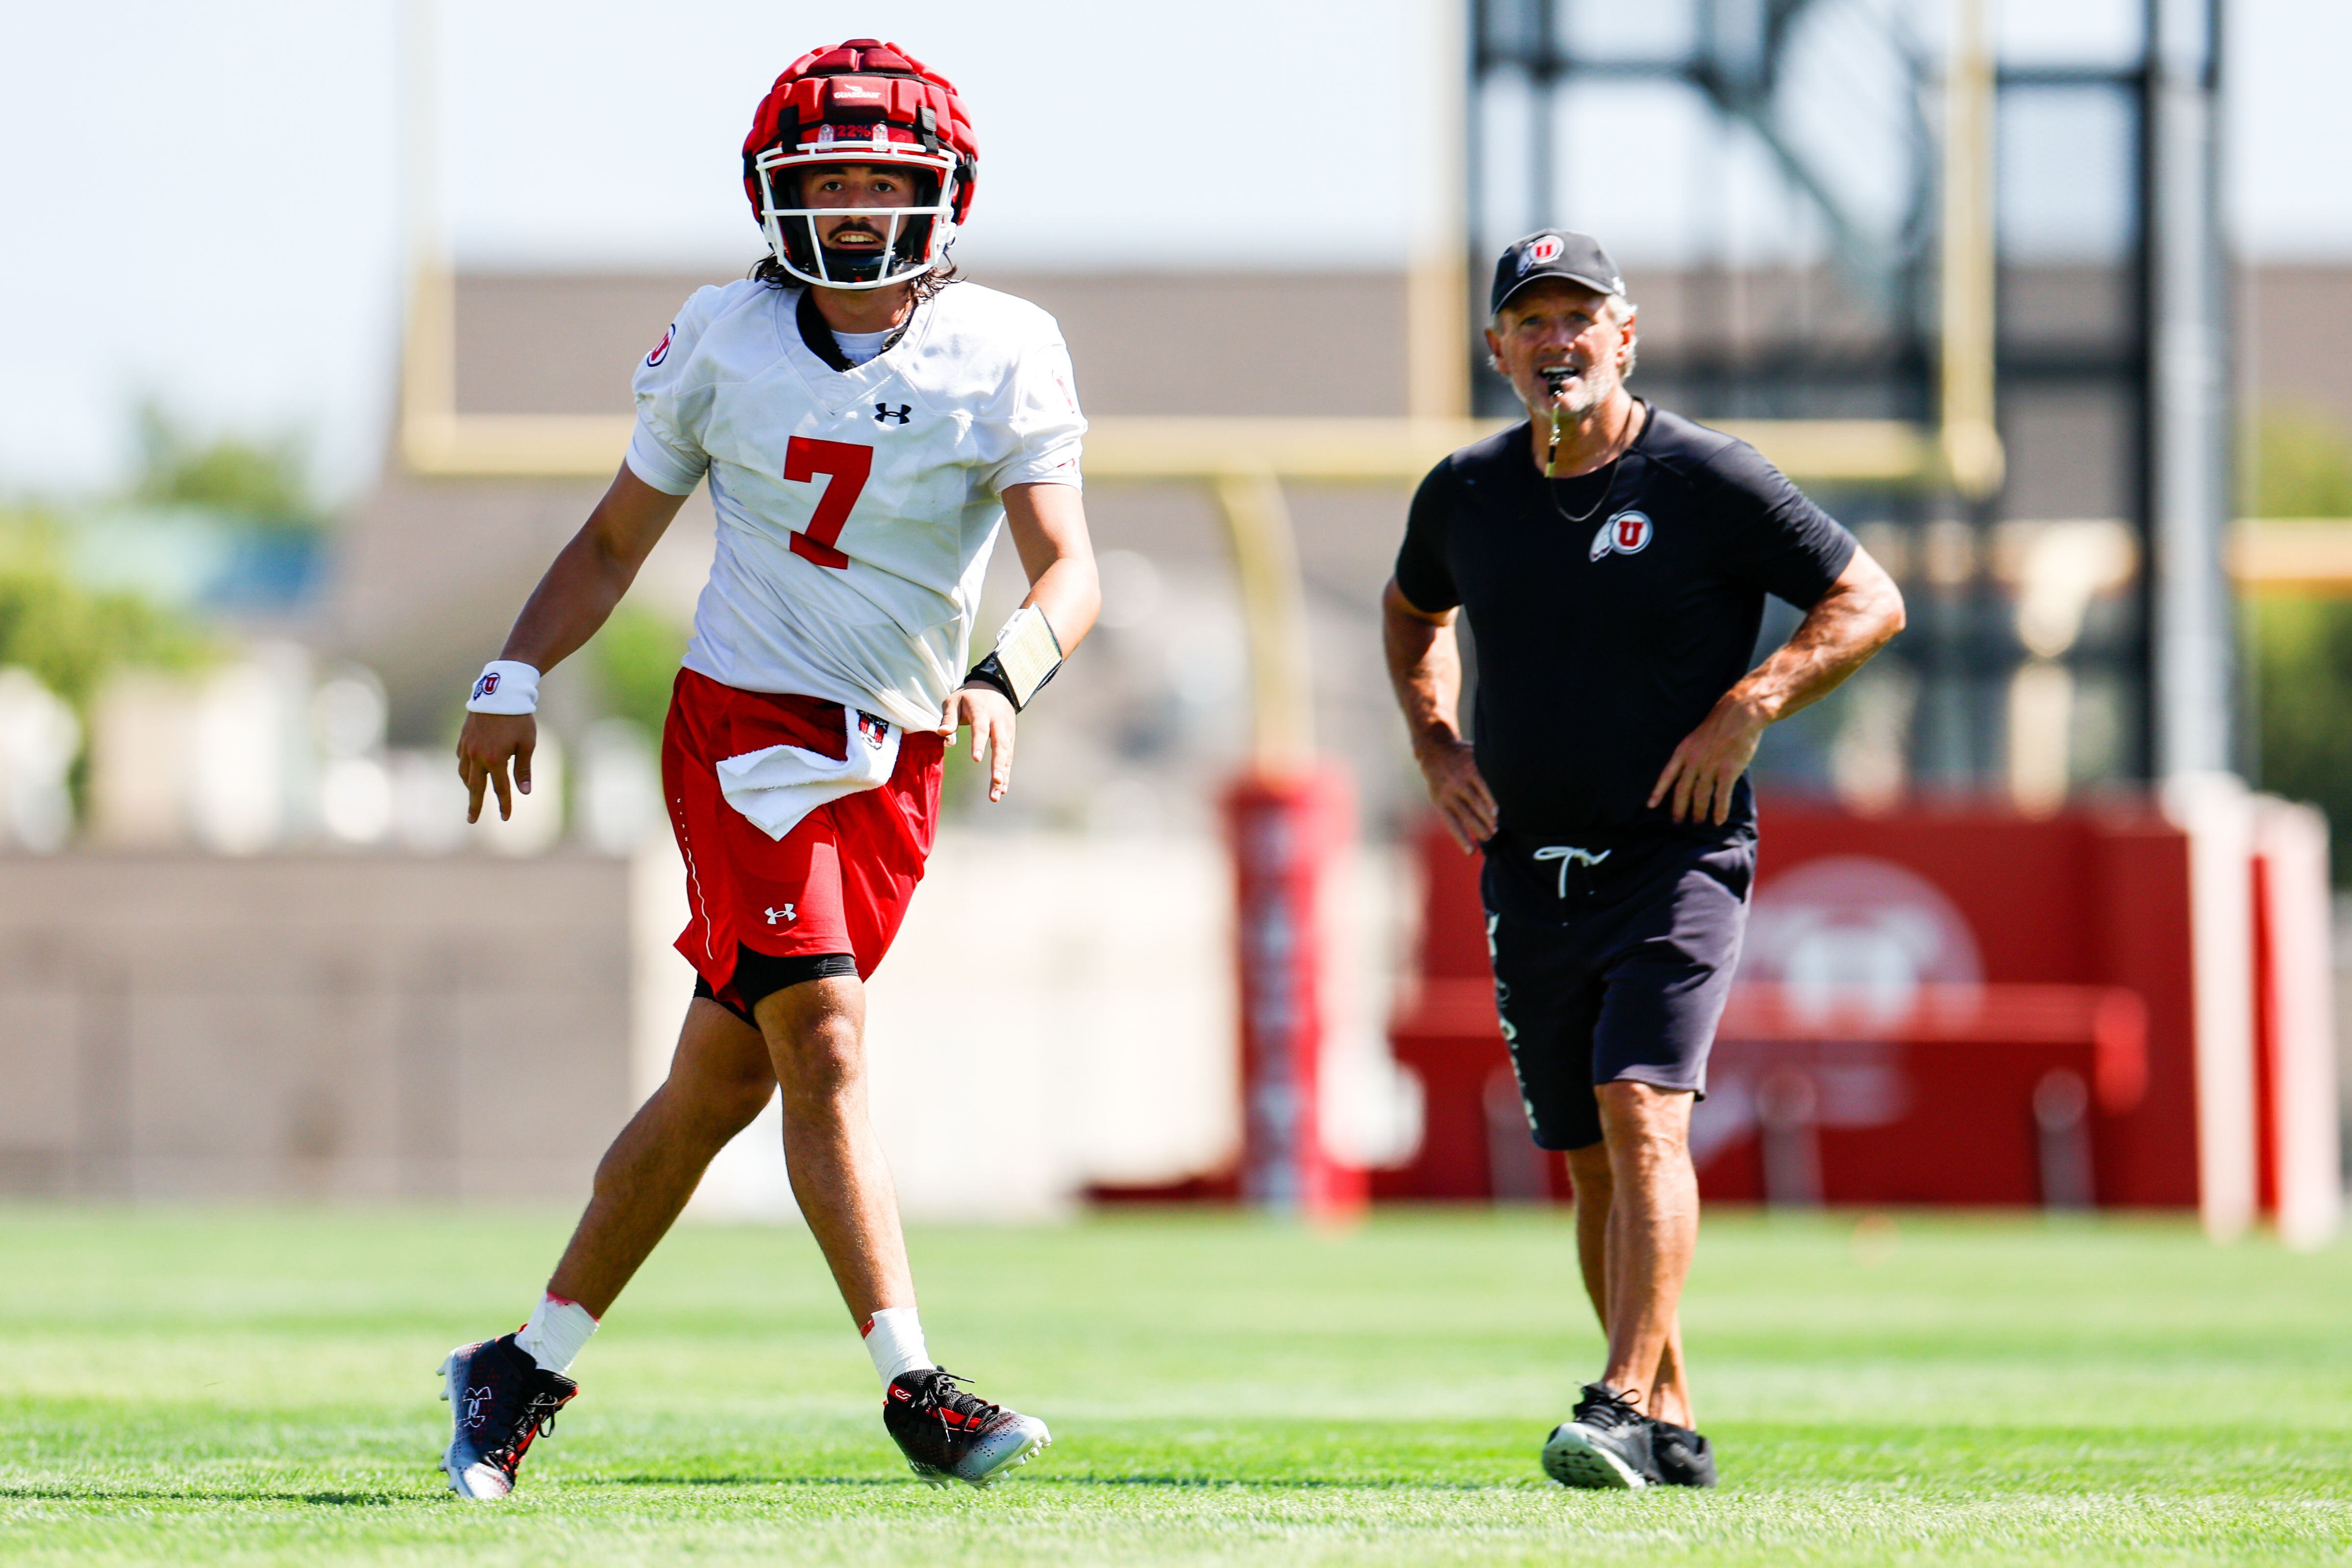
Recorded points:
(1601, 644)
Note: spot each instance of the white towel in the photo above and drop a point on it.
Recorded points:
(777, 786)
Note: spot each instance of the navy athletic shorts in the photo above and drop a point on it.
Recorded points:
(1612, 961)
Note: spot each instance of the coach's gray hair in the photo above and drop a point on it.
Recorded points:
(1616, 307)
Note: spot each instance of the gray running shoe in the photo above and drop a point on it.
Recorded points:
(1605, 1444)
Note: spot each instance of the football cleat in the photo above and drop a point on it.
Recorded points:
(1680, 1456)
(1605, 1443)
(499, 1402)
(948, 1435)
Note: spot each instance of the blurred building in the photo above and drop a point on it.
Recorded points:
(1151, 716)
(352, 995)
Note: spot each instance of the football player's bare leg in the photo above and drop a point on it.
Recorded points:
(1637, 1229)
(719, 1079)
(816, 1038)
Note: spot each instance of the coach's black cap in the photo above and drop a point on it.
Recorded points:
(1554, 253)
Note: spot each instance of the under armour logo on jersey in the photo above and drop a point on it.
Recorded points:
(788, 914)
(1624, 534)
(884, 413)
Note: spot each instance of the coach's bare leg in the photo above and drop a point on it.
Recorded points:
(1587, 1173)
(816, 1037)
(1668, 1396)
(719, 1079)
(1651, 1231)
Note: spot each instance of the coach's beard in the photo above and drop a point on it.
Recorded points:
(1574, 394)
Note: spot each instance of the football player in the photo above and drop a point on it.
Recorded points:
(868, 424)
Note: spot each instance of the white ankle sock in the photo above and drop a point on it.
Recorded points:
(894, 1338)
(556, 1332)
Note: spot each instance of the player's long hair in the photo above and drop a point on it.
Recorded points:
(771, 271)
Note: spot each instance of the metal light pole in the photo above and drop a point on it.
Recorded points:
(2189, 392)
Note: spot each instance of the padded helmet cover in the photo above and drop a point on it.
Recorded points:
(855, 92)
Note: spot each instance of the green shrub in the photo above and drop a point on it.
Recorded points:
(635, 658)
(69, 636)
(2299, 650)
(261, 482)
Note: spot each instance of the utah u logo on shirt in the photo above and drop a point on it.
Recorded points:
(1624, 534)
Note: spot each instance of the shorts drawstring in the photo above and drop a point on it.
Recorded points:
(1569, 855)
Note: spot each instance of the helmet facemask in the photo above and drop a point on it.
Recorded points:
(915, 237)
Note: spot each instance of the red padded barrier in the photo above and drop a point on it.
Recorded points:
(2077, 928)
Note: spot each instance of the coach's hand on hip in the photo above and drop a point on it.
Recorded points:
(1450, 767)
(1860, 614)
(1701, 773)
(989, 713)
(488, 743)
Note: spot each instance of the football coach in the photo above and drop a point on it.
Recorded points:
(1614, 559)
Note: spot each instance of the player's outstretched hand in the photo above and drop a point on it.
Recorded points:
(989, 713)
(1705, 767)
(1459, 792)
(488, 743)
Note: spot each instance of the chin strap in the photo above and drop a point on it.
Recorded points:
(1025, 657)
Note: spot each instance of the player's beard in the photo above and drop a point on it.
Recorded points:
(859, 227)
(856, 262)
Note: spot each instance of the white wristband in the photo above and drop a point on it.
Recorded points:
(506, 687)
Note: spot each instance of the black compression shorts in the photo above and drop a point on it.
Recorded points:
(762, 975)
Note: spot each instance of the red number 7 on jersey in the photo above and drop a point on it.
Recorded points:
(848, 464)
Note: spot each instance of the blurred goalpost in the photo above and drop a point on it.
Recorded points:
(1288, 816)
(1244, 463)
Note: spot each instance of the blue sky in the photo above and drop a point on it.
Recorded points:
(205, 200)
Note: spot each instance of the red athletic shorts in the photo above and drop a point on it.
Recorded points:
(839, 882)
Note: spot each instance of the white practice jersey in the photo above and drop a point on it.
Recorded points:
(857, 509)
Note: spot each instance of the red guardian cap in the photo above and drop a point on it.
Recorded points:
(864, 101)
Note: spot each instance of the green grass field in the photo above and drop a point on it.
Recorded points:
(258, 1386)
